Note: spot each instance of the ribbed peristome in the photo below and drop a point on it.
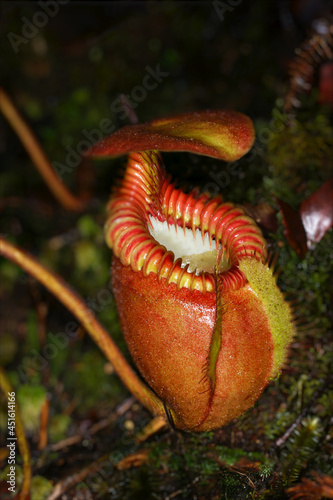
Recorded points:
(146, 190)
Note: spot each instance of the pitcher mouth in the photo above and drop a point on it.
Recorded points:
(194, 248)
(185, 239)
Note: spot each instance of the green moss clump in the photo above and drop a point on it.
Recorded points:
(300, 151)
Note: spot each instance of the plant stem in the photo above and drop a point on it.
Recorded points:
(22, 442)
(37, 155)
(79, 308)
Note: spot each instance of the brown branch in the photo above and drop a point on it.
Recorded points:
(22, 442)
(282, 439)
(37, 155)
(44, 422)
(41, 312)
(155, 425)
(98, 426)
(79, 308)
(71, 481)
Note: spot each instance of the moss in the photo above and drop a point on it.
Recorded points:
(300, 152)
(40, 488)
(89, 382)
(301, 448)
(30, 399)
(58, 427)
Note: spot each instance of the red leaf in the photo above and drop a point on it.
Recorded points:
(317, 213)
(294, 229)
(325, 94)
(263, 214)
(226, 135)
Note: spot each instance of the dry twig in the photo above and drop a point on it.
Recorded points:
(37, 155)
(102, 424)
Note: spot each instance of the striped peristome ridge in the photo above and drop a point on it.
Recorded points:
(145, 193)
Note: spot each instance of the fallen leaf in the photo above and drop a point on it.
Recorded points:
(134, 460)
(325, 92)
(294, 229)
(317, 213)
(263, 214)
(321, 487)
